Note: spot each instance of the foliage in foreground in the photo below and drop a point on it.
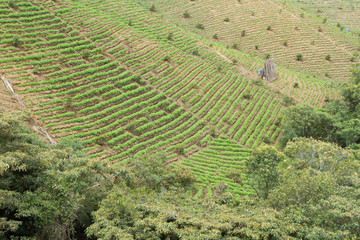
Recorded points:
(55, 192)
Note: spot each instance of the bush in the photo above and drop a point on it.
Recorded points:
(11, 4)
(320, 29)
(243, 33)
(196, 52)
(215, 36)
(180, 149)
(167, 58)
(328, 57)
(152, 8)
(186, 14)
(299, 57)
(235, 46)
(200, 26)
(296, 85)
(285, 43)
(36, 70)
(234, 61)
(16, 41)
(256, 47)
(85, 54)
(170, 36)
(269, 28)
(227, 19)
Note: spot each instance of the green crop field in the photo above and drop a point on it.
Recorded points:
(129, 81)
(268, 27)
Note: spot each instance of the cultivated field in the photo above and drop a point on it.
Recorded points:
(268, 27)
(343, 12)
(127, 82)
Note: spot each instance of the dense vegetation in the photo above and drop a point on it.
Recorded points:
(308, 191)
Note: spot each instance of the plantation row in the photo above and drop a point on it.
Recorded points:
(222, 161)
(77, 91)
(212, 94)
(268, 28)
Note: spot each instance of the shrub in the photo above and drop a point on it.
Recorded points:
(215, 36)
(167, 58)
(269, 28)
(85, 54)
(227, 19)
(11, 4)
(325, 20)
(152, 8)
(186, 14)
(320, 29)
(36, 70)
(285, 43)
(352, 59)
(200, 26)
(196, 52)
(68, 102)
(247, 94)
(296, 85)
(287, 101)
(243, 33)
(130, 22)
(170, 36)
(235, 46)
(234, 61)
(328, 57)
(16, 41)
(267, 56)
(180, 149)
(256, 47)
(299, 57)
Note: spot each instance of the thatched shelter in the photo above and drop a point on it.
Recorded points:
(269, 70)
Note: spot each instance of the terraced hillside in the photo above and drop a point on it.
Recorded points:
(343, 12)
(268, 27)
(222, 161)
(127, 82)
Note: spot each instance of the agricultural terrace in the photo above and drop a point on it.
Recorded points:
(342, 13)
(268, 27)
(111, 84)
(126, 82)
(222, 161)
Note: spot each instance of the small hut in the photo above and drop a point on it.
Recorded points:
(269, 70)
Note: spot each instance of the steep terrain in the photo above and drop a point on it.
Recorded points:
(268, 27)
(127, 82)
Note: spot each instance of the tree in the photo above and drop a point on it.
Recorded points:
(262, 167)
(304, 121)
(47, 191)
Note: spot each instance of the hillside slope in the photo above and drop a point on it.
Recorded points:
(127, 82)
(268, 27)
